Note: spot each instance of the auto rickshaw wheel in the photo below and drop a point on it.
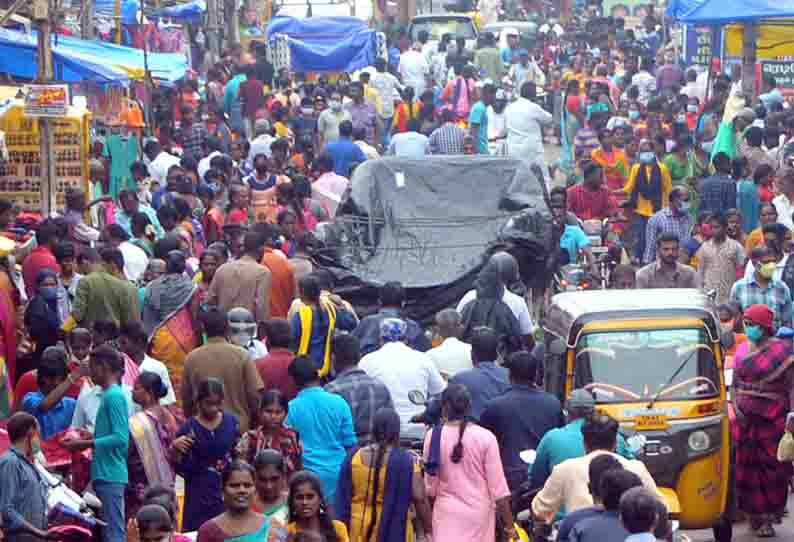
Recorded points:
(723, 530)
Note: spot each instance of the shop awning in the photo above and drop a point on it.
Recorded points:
(167, 67)
(19, 58)
(730, 11)
(189, 12)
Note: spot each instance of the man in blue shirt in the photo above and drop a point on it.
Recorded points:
(520, 417)
(23, 493)
(49, 405)
(478, 118)
(324, 422)
(344, 152)
(572, 238)
(567, 442)
(486, 380)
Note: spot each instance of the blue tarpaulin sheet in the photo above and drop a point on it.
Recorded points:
(19, 58)
(320, 44)
(728, 11)
(679, 8)
(167, 67)
(188, 12)
(129, 9)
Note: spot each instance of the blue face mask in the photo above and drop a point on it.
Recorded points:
(49, 293)
(647, 157)
(634, 115)
(754, 333)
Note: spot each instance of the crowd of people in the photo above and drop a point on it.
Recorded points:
(175, 332)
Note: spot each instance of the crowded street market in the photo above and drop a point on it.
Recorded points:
(396, 271)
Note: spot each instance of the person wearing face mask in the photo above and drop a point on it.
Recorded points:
(242, 332)
(23, 500)
(761, 395)
(673, 219)
(50, 404)
(648, 190)
(763, 288)
(329, 120)
(42, 318)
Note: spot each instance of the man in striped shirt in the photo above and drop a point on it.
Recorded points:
(447, 138)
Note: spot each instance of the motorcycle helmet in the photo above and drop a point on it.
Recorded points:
(242, 326)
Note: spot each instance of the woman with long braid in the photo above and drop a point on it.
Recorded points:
(464, 474)
(377, 485)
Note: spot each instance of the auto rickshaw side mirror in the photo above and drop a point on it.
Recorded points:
(554, 367)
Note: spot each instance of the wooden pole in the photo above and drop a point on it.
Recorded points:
(46, 143)
(117, 13)
(212, 30)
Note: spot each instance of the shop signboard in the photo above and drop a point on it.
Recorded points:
(46, 100)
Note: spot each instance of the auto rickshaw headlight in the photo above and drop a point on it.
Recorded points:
(699, 441)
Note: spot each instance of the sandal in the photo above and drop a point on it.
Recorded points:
(765, 531)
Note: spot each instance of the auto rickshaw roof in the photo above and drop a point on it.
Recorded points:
(570, 311)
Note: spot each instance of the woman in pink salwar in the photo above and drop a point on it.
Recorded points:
(464, 473)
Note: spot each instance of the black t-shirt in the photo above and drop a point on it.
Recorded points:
(264, 71)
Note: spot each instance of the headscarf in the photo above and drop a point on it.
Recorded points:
(164, 297)
(44, 310)
(650, 188)
(489, 310)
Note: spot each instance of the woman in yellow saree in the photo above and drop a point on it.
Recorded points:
(170, 305)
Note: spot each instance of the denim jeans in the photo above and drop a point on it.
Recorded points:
(638, 225)
(385, 132)
(111, 495)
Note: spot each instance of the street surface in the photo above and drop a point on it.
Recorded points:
(741, 531)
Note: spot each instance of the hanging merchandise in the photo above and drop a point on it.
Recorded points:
(122, 149)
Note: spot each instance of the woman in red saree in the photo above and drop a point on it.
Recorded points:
(170, 306)
(151, 433)
(763, 384)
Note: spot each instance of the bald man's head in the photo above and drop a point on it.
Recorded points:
(449, 323)
(154, 270)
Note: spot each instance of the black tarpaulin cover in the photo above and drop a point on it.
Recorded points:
(431, 223)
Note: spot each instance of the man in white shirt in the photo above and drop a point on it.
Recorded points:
(135, 259)
(414, 69)
(159, 161)
(694, 88)
(452, 355)
(568, 484)
(213, 149)
(261, 143)
(784, 202)
(402, 370)
(410, 144)
(645, 81)
(385, 85)
(525, 122)
(133, 341)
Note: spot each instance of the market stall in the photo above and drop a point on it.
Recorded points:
(21, 175)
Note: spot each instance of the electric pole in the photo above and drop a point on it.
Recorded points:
(212, 30)
(42, 15)
(87, 20)
(232, 22)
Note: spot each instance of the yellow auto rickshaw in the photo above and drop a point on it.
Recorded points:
(653, 360)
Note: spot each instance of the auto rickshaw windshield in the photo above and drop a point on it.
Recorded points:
(631, 366)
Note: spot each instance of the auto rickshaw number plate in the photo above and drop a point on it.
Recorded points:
(649, 422)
